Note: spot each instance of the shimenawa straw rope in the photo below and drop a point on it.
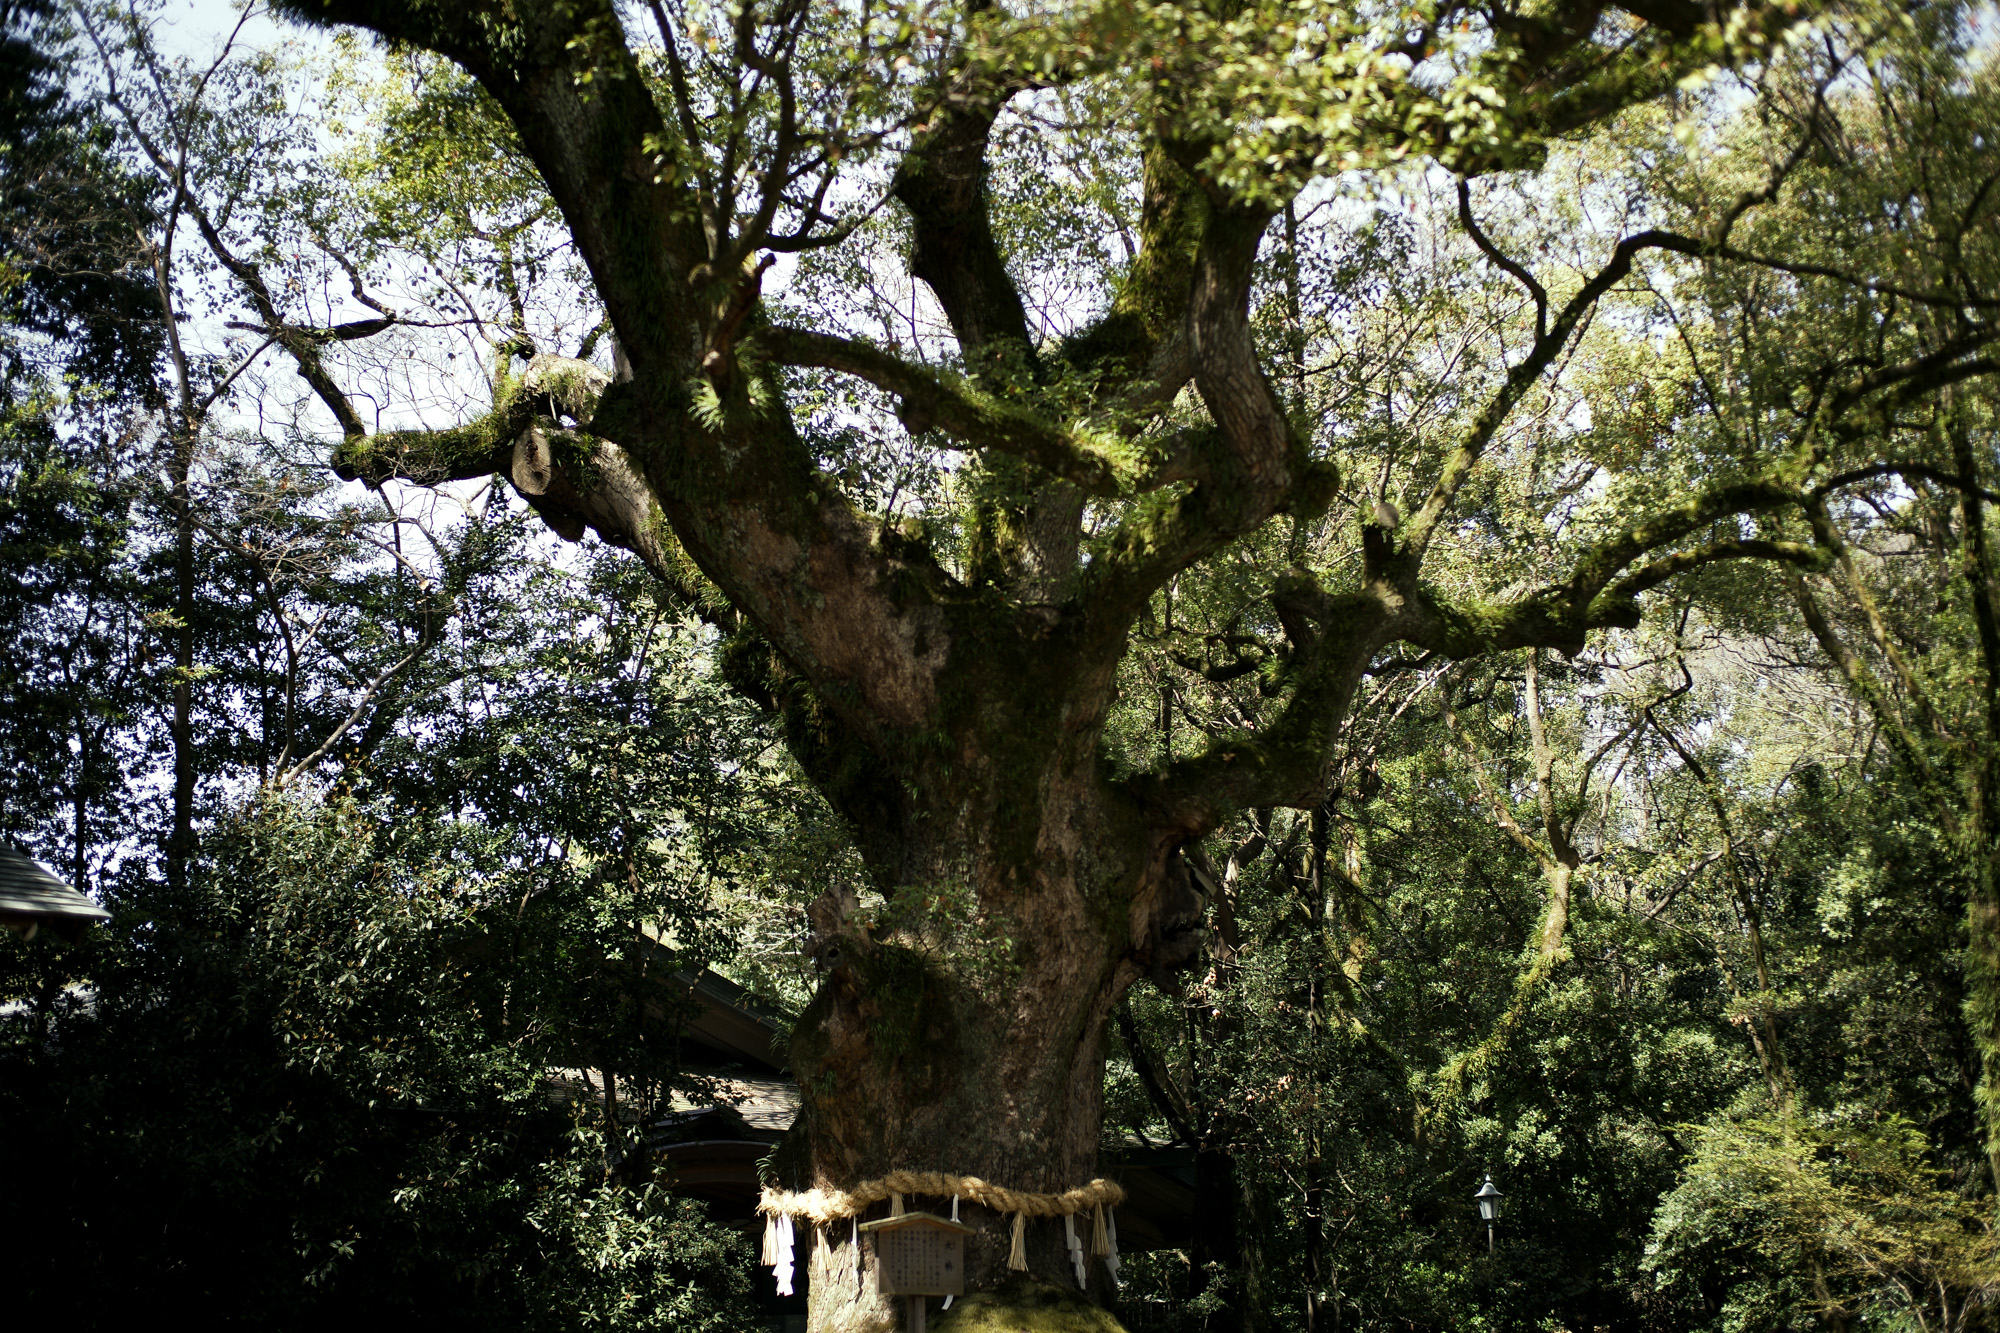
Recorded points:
(823, 1206)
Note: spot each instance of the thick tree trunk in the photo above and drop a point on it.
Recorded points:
(965, 1035)
(962, 1032)
(954, 717)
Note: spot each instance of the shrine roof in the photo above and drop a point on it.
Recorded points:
(902, 1220)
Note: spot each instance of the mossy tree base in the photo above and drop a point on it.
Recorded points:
(1026, 1307)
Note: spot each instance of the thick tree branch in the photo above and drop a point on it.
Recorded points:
(1422, 525)
(1287, 762)
(1560, 615)
(573, 479)
(1904, 382)
(1651, 576)
(351, 331)
(1253, 465)
(713, 445)
(1278, 768)
(1906, 469)
(1103, 465)
(1492, 252)
(1141, 343)
(942, 182)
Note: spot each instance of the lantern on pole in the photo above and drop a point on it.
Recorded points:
(1488, 1200)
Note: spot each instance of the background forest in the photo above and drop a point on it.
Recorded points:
(397, 797)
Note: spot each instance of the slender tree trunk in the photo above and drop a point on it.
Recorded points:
(79, 876)
(1216, 1249)
(1315, 1194)
(1222, 1245)
(1253, 1309)
(1982, 820)
(180, 840)
(1295, 326)
(180, 467)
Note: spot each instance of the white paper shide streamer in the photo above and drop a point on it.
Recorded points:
(778, 1241)
(954, 1217)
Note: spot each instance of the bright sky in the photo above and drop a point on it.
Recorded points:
(197, 27)
(196, 31)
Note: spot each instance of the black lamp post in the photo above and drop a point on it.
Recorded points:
(1488, 1200)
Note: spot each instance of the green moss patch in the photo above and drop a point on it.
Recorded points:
(1026, 1307)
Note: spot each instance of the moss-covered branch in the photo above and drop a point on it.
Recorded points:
(1562, 616)
(1140, 343)
(494, 441)
(1103, 463)
(1251, 465)
(1285, 763)
(1659, 571)
(1336, 636)
(941, 181)
(479, 448)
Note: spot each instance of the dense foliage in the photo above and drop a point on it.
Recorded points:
(383, 1049)
(314, 1088)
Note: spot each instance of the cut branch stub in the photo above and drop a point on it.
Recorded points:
(534, 466)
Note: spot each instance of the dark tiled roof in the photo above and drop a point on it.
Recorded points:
(733, 1024)
(27, 890)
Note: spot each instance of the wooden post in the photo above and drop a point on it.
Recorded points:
(916, 1322)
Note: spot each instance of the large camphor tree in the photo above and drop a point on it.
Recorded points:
(948, 684)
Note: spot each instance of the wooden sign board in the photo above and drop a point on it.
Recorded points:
(919, 1254)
